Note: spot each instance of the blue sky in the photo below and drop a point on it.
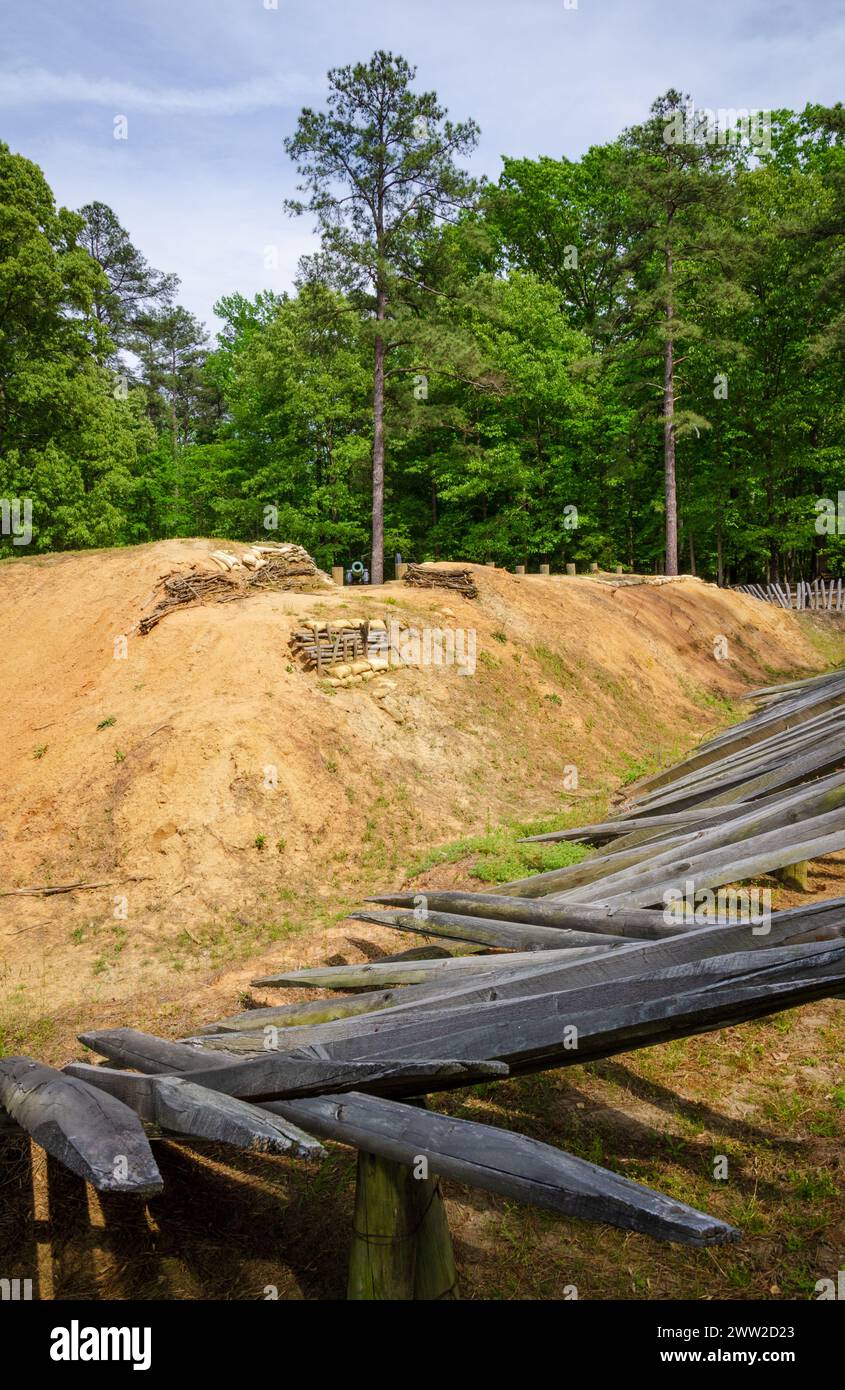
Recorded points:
(210, 88)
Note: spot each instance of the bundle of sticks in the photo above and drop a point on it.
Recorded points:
(285, 566)
(288, 571)
(460, 581)
(185, 590)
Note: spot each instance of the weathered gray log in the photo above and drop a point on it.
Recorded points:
(506, 1163)
(382, 973)
(95, 1136)
(129, 1047)
(736, 825)
(532, 1032)
(552, 972)
(193, 1110)
(492, 932)
(495, 1160)
(601, 831)
(736, 863)
(805, 704)
(753, 774)
(278, 1071)
(825, 756)
(500, 907)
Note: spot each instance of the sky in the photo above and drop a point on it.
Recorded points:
(209, 89)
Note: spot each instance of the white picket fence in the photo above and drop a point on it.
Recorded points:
(819, 595)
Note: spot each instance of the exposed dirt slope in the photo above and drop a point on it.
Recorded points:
(169, 801)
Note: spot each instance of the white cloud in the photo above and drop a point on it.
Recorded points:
(38, 86)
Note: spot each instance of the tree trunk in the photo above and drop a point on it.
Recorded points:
(720, 559)
(669, 430)
(377, 559)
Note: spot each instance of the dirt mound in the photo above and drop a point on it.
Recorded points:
(224, 797)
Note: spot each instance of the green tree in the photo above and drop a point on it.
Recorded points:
(68, 442)
(379, 171)
(129, 284)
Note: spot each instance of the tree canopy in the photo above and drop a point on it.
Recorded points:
(634, 358)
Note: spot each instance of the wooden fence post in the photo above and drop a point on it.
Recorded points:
(383, 1258)
(401, 1246)
(435, 1276)
(796, 876)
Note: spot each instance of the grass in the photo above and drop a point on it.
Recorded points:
(497, 856)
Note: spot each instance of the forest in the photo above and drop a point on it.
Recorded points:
(632, 358)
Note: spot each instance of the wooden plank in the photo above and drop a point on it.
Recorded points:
(95, 1136)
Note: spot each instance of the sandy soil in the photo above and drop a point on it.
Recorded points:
(148, 774)
(224, 878)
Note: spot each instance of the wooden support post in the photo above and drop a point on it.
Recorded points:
(520, 569)
(796, 876)
(570, 569)
(401, 1246)
(544, 569)
(400, 570)
(337, 575)
(383, 1258)
(435, 1276)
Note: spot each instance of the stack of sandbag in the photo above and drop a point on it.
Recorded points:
(282, 565)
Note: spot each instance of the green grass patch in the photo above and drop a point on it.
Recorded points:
(497, 856)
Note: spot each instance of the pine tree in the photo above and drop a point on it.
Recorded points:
(674, 178)
(380, 174)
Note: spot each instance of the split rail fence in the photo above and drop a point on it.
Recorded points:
(820, 595)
